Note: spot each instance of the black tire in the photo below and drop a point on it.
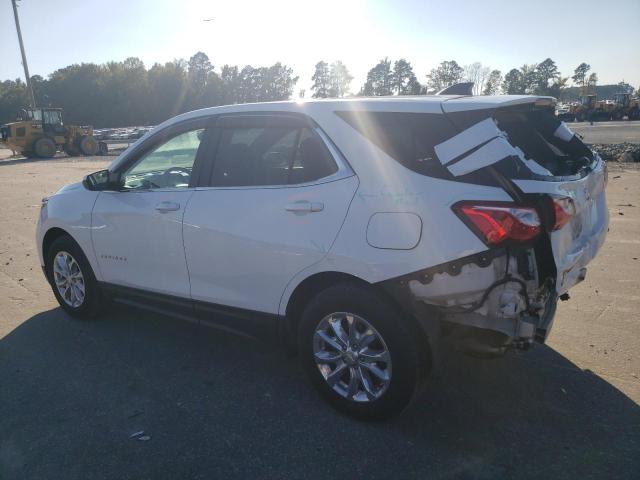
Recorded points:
(103, 149)
(88, 145)
(44, 147)
(406, 343)
(92, 303)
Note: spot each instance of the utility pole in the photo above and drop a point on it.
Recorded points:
(32, 99)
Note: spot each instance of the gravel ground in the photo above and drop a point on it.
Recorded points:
(618, 152)
(217, 406)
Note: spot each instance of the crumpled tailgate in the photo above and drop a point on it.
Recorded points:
(577, 242)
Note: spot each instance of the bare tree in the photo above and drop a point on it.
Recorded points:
(477, 74)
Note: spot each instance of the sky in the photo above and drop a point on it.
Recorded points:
(499, 34)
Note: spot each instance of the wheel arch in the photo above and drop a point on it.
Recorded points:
(51, 236)
(316, 282)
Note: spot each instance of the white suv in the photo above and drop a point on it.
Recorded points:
(361, 232)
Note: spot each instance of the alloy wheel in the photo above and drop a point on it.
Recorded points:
(68, 279)
(352, 357)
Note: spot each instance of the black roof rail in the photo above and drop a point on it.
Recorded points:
(464, 88)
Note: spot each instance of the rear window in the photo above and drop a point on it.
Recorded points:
(533, 130)
(410, 138)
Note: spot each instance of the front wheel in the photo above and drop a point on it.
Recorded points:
(72, 280)
(362, 355)
(88, 145)
(44, 147)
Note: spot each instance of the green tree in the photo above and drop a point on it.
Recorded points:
(446, 74)
(513, 83)
(278, 82)
(13, 97)
(580, 76)
(558, 87)
(404, 80)
(493, 83)
(529, 78)
(321, 80)
(379, 80)
(592, 82)
(230, 78)
(546, 73)
(199, 69)
(167, 82)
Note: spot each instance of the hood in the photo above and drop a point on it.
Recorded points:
(70, 188)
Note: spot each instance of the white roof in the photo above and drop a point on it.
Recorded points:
(315, 107)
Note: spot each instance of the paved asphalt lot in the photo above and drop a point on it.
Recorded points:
(218, 406)
(608, 132)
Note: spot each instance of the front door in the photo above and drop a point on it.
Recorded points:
(137, 231)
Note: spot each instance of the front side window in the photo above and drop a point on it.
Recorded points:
(169, 165)
(255, 156)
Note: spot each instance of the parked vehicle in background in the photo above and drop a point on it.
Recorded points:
(362, 232)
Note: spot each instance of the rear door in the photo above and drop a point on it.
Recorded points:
(274, 201)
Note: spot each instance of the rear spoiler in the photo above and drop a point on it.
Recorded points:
(490, 102)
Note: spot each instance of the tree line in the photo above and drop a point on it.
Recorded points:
(127, 93)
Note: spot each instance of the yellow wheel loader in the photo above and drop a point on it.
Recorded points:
(40, 132)
(626, 106)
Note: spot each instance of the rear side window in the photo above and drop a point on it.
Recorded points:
(409, 138)
(270, 155)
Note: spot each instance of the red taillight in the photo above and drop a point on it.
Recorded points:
(496, 223)
(564, 210)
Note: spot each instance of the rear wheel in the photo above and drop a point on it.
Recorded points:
(72, 280)
(364, 358)
(88, 145)
(44, 147)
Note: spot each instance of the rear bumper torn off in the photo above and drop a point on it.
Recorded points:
(497, 293)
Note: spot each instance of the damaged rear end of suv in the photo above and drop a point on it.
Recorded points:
(536, 244)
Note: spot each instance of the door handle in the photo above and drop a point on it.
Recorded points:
(304, 207)
(164, 207)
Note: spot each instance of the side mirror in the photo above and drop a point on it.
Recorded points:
(102, 180)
